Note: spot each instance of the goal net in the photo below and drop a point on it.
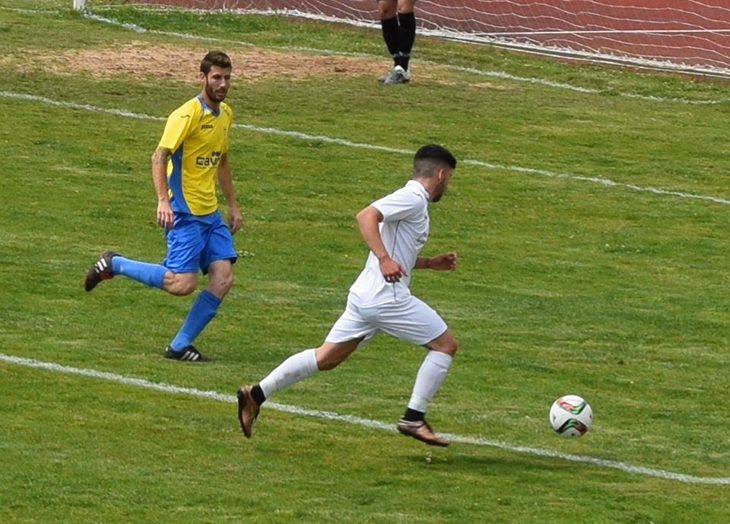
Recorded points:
(681, 35)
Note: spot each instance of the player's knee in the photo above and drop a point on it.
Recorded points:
(228, 282)
(447, 345)
(387, 9)
(181, 287)
(222, 282)
(406, 6)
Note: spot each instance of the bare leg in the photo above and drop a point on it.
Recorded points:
(295, 368)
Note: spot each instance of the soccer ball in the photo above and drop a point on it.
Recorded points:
(571, 416)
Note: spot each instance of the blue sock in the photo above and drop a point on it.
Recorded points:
(201, 312)
(150, 274)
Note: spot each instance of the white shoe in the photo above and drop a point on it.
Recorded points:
(397, 75)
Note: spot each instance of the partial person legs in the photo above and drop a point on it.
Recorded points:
(389, 25)
(306, 363)
(431, 374)
(406, 33)
(295, 368)
(111, 264)
(202, 311)
(413, 321)
(398, 23)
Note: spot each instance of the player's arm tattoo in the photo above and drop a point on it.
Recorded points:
(160, 156)
(159, 172)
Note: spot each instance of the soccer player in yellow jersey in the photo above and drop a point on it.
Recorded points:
(192, 152)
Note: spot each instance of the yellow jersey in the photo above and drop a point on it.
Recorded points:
(198, 137)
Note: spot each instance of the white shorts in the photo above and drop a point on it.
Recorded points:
(411, 319)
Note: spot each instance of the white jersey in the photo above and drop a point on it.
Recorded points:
(404, 230)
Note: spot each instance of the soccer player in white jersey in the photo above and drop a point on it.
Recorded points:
(395, 229)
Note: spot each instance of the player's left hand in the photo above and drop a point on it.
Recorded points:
(444, 262)
(235, 220)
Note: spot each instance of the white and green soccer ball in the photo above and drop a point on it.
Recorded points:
(571, 416)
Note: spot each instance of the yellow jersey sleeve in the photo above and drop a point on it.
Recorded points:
(179, 125)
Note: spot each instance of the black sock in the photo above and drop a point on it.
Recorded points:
(390, 35)
(412, 415)
(406, 37)
(258, 394)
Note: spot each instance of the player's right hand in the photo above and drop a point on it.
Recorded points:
(165, 217)
(392, 271)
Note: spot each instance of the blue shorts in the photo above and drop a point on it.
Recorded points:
(196, 241)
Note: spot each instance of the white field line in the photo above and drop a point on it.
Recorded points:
(368, 423)
(493, 74)
(347, 143)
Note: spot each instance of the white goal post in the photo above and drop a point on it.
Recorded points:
(680, 35)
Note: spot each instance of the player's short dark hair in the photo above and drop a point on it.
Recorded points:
(215, 58)
(430, 157)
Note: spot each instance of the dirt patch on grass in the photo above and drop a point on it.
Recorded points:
(139, 58)
(154, 61)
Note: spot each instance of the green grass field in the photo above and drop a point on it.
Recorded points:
(592, 230)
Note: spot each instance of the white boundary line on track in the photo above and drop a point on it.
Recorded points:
(368, 423)
(347, 143)
(615, 32)
(493, 74)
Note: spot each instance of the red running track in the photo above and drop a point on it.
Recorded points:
(690, 32)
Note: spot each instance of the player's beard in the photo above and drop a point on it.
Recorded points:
(441, 189)
(218, 96)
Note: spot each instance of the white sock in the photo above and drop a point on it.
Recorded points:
(429, 378)
(295, 368)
